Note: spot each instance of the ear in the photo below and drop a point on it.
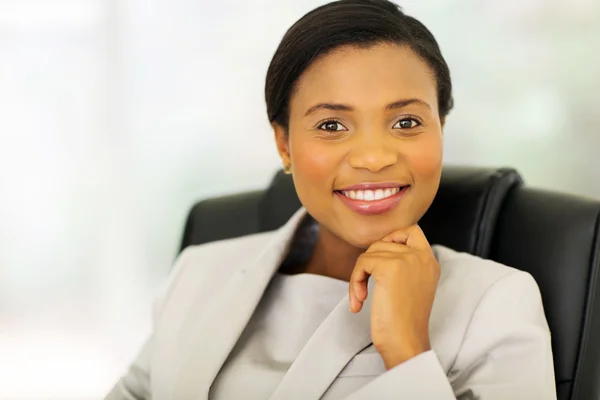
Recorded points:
(282, 142)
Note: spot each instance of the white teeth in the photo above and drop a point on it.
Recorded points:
(371, 195)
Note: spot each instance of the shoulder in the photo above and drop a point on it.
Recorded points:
(203, 270)
(472, 284)
(222, 257)
(207, 267)
(472, 271)
(490, 317)
(235, 249)
(480, 303)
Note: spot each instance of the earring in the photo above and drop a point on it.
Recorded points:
(287, 169)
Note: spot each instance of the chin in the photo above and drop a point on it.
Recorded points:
(363, 234)
(363, 240)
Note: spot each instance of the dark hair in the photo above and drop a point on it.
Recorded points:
(361, 23)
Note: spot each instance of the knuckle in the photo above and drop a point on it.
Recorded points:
(375, 246)
(364, 257)
(411, 258)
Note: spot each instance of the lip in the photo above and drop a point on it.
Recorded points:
(372, 186)
(374, 207)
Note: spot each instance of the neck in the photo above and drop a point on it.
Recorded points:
(332, 256)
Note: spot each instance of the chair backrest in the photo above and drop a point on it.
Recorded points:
(556, 238)
(490, 213)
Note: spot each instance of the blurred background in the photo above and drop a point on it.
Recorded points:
(117, 115)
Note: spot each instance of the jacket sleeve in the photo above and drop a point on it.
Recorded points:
(506, 354)
(136, 383)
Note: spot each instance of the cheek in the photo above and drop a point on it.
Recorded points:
(425, 159)
(315, 163)
(425, 164)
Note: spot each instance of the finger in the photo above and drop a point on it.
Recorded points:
(358, 284)
(358, 292)
(387, 247)
(412, 237)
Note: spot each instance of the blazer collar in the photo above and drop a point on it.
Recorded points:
(216, 324)
(223, 319)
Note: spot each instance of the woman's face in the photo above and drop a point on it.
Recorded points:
(365, 141)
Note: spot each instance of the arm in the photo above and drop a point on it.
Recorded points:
(136, 383)
(506, 354)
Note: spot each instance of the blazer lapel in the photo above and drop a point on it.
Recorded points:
(339, 338)
(218, 322)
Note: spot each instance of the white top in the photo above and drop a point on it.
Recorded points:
(290, 312)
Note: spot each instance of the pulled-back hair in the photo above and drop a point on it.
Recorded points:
(360, 23)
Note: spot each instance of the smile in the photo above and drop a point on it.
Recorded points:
(372, 201)
(371, 195)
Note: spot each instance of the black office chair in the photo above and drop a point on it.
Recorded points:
(490, 213)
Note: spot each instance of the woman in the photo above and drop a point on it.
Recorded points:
(348, 300)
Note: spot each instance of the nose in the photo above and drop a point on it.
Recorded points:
(373, 154)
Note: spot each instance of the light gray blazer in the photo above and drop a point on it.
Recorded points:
(489, 336)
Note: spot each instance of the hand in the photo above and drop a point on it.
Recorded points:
(406, 275)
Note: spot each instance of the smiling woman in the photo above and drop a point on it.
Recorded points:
(357, 94)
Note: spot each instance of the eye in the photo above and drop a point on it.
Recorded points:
(332, 126)
(407, 123)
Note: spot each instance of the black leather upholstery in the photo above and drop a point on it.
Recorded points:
(489, 213)
(279, 203)
(223, 217)
(465, 210)
(555, 237)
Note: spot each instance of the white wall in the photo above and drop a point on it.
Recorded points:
(116, 116)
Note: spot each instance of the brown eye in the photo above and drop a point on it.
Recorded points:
(406, 123)
(332, 126)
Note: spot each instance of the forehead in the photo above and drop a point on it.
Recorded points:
(365, 77)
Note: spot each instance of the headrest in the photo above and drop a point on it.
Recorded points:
(279, 202)
(465, 210)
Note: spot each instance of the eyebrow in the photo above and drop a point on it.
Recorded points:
(343, 107)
